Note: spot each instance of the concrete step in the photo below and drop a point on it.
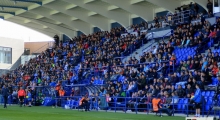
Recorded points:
(139, 51)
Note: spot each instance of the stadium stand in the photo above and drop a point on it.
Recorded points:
(169, 69)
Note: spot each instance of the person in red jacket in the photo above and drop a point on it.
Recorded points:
(21, 96)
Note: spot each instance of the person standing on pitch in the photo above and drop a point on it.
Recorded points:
(197, 100)
(5, 93)
(21, 96)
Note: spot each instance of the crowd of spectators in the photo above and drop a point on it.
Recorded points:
(81, 59)
(97, 57)
(183, 14)
(143, 79)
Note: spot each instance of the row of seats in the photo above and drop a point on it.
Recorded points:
(214, 81)
(71, 103)
(208, 93)
(183, 53)
(48, 101)
(98, 82)
(216, 50)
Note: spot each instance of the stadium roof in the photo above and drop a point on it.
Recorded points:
(68, 16)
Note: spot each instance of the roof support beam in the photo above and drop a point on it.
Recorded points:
(118, 16)
(5, 6)
(63, 30)
(135, 1)
(31, 1)
(2, 17)
(139, 10)
(12, 13)
(98, 21)
(170, 5)
(80, 25)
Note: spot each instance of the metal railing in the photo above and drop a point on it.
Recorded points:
(136, 105)
(119, 102)
(162, 38)
(180, 17)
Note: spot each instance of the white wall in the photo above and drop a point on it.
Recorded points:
(17, 49)
(16, 31)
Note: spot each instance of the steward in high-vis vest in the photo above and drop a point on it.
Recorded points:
(84, 103)
(156, 104)
(157, 107)
(21, 96)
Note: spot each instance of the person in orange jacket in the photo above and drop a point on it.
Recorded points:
(21, 96)
(61, 92)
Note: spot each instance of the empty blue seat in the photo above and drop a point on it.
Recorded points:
(214, 81)
(208, 104)
(218, 97)
(206, 99)
(95, 82)
(100, 82)
(180, 103)
(203, 93)
(185, 103)
(207, 93)
(72, 103)
(212, 94)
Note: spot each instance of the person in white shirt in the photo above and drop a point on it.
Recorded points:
(154, 49)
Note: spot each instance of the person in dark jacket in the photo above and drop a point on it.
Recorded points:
(5, 93)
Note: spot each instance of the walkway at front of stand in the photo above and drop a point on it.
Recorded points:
(48, 113)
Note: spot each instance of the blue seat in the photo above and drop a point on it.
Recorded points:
(76, 103)
(95, 82)
(203, 93)
(209, 44)
(100, 82)
(208, 104)
(218, 97)
(185, 102)
(72, 104)
(71, 45)
(215, 81)
(212, 94)
(180, 103)
(206, 99)
(207, 93)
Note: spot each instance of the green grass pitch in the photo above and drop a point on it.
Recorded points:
(48, 113)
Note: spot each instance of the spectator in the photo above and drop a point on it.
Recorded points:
(180, 92)
(29, 98)
(196, 8)
(5, 93)
(157, 107)
(61, 92)
(209, 6)
(197, 100)
(189, 89)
